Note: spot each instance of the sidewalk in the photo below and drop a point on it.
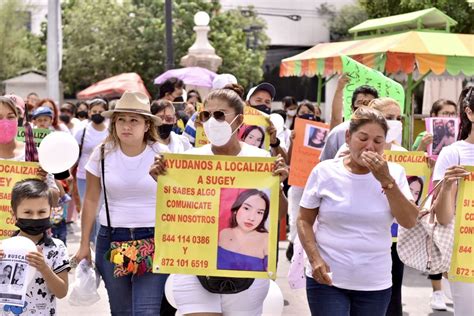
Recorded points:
(416, 290)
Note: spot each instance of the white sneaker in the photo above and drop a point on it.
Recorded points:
(437, 301)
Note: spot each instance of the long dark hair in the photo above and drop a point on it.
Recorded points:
(243, 196)
(249, 129)
(466, 99)
(412, 179)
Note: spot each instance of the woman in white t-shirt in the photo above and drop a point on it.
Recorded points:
(222, 117)
(88, 138)
(356, 199)
(131, 198)
(449, 167)
(165, 110)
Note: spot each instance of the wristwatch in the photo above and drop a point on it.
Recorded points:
(389, 186)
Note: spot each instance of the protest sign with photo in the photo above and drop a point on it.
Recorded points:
(253, 131)
(444, 130)
(310, 137)
(462, 260)
(38, 134)
(221, 219)
(15, 272)
(359, 75)
(10, 173)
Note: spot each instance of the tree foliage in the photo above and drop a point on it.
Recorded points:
(15, 40)
(459, 10)
(105, 38)
(341, 21)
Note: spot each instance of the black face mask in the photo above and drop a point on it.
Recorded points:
(66, 119)
(97, 118)
(164, 130)
(33, 226)
(82, 114)
(262, 108)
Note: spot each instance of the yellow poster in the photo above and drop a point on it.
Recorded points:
(253, 131)
(10, 173)
(462, 260)
(217, 216)
(416, 169)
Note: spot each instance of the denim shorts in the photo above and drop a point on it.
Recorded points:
(129, 295)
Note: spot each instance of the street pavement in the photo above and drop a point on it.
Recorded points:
(416, 290)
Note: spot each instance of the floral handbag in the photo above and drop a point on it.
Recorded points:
(132, 256)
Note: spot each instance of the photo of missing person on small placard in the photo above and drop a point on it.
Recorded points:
(253, 135)
(19, 274)
(445, 131)
(6, 271)
(243, 229)
(315, 137)
(416, 184)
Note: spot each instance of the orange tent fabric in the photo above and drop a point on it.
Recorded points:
(114, 87)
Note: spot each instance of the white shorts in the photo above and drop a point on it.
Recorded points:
(191, 297)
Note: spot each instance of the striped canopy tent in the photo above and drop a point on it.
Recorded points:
(424, 51)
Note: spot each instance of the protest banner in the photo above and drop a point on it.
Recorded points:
(201, 217)
(253, 131)
(444, 130)
(359, 75)
(38, 134)
(10, 173)
(310, 137)
(462, 260)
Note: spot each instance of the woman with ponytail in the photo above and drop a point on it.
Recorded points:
(449, 167)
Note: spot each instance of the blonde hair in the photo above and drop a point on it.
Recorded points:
(365, 115)
(150, 136)
(381, 104)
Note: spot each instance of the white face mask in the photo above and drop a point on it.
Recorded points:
(394, 131)
(291, 113)
(218, 133)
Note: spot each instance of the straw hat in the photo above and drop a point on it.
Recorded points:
(133, 102)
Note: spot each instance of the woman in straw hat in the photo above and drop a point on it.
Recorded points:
(119, 167)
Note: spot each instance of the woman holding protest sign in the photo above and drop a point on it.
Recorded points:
(222, 117)
(449, 168)
(118, 168)
(355, 199)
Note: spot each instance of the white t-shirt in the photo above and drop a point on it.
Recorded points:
(178, 143)
(246, 151)
(460, 152)
(353, 227)
(131, 191)
(92, 138)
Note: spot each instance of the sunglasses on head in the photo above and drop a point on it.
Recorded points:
(204, 116)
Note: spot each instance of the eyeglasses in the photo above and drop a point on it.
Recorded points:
(447, 114)
(204, 116)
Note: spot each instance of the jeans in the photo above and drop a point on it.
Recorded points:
(325, 300)
(395, 307)
(59, 231)
(129, 295)
(81, 188)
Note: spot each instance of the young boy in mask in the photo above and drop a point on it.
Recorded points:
(31, 203)
(165, 110)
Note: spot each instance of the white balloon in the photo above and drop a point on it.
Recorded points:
(277, 121)
(169, 290)
(273, 303)
(58, 152)
(23, 245)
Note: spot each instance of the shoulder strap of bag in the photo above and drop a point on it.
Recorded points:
(81, 144)
(107, 213)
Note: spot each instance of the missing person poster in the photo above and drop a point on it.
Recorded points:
(359, 75)
(253, 131)
(310, 138)
(38, 134)
(15, 272)
(221, 219)
(444, 130)
(462, 260)
(10, 173)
